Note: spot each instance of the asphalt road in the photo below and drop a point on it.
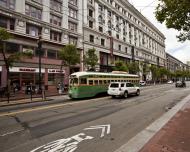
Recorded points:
(94, 125)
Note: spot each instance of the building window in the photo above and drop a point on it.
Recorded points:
(55, 36)
(103, 42)
(90, 24)
(119, 47)
(90, 13)
(74, 2)
(100, 28)
(11, 47)
(117, 36)
(8, 4)
(73, 26)
(100, 8)
(55, 5)
(109, 13)
(51, 54)
(126, 50)
(32, 30)
(55, 20)
(73, 40)
(33, 12)
(72, 13)
(91, 38)
(7, 23)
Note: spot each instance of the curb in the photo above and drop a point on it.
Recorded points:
(136, 143)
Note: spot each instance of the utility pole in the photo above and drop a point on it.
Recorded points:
(40, 56)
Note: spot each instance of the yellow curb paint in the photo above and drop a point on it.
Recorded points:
(46, 107)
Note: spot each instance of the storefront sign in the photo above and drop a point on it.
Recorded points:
(25, 69)
(56, 71)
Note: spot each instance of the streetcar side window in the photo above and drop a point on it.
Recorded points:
(83, 81)
(90, 82)
(95, 82)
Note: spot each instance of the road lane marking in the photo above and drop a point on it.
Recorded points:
(8, 133)
(47, 107)
(103, 127)
(64, 145)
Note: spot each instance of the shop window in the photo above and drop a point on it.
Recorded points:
(12, 47)
(51, 79)
(51, 54)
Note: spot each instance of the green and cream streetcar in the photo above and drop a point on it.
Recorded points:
(89, 84)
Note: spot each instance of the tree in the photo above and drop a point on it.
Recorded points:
(69, 56)
(9, 60)
(133, 67)
(155, 72)
(175, 14)
(91, 59)
(120, 66)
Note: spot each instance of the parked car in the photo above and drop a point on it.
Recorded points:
(122, 89)
(142, 83)
(170, 82)
(180, 84)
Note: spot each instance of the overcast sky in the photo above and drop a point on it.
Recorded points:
(177, 49)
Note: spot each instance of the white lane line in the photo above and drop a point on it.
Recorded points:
(8, 133)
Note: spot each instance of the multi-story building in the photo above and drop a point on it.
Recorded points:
(57, 21)
(118, 31)
(114, 28)
(173, 64)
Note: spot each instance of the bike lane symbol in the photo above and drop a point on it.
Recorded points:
(63, 145)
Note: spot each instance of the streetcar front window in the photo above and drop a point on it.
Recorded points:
(73, 82)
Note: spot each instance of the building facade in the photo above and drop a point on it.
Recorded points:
(57, 21)
(173, 64)
(118, 31)
(114, 28)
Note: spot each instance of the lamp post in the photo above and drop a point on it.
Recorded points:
(40, 56)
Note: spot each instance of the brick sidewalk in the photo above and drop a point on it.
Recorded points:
(174, 136)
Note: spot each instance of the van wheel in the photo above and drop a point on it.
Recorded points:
(113, 97)
(125, 94)
(138, 92)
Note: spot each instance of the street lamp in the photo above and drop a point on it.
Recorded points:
(40, 56)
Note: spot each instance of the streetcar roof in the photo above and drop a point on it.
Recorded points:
(78, 74)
